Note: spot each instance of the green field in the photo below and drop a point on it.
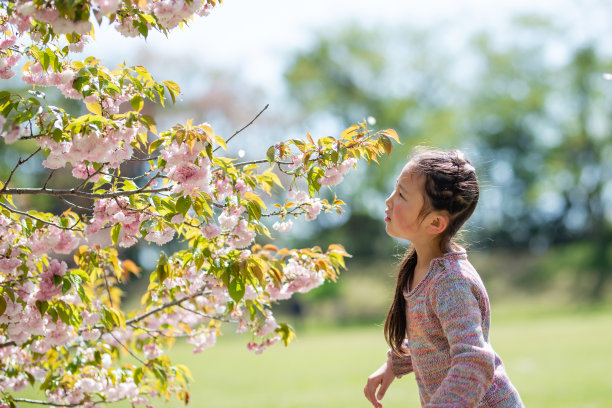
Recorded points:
(557, 358)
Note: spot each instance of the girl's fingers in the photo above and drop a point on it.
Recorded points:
(370, 392)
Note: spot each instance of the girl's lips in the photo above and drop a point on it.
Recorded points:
(387, 218)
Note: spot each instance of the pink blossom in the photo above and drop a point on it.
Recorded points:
(7, 43)
(9, 265)
(107, 6)
(90, 319)
(89, 335)
(296, 162)
(12, 134)
(160, 237)
(202, 340)
(332, 177)
(300, 197)
(47, 288)
(83, 171)
(313, 209)
(268, 326)
(191, 178)
(242, 236)
(224, 189)
(211, 230)
(67, 242)
(128, 241)
(177, 219)
(283, 226)
(151, 351)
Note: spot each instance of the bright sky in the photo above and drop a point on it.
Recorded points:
(255, 37)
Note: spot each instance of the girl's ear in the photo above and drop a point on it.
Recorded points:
(438, 223)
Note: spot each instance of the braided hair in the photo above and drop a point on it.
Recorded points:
(450, 185)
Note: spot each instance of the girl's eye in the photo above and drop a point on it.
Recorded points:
(401, 195)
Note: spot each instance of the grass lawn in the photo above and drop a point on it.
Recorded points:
(555, 358)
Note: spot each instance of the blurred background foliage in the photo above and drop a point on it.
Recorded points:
(528, 104)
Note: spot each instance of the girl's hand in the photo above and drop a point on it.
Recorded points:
(381, 379)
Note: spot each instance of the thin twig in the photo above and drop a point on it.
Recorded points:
(244, 127)
(56, 404)
(25, 214)
(20, 161)
(143, 158)
(89, 176)
(127, 349)
(44, 187)
(73, 192)
(197, 312)
(71, 204)
(53, 404)
(7, 344)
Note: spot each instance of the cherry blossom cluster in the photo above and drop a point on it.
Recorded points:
(8, 58)
(189, 171)
(111, 146)
(335, 174)
(61, 25)
(117, 211)
(298, 276)
(12, 133)
(312, 205)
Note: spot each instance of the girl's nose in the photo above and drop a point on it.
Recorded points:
(388, 200)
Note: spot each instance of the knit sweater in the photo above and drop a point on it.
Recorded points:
(447, 345)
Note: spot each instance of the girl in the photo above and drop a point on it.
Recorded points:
(438, 323)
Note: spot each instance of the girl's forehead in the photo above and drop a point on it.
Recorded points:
(409, 176)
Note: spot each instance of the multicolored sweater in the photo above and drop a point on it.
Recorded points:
(448, 349)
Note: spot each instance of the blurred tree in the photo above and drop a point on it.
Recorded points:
(530, 105)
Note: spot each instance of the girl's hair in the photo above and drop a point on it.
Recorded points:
(450, 185)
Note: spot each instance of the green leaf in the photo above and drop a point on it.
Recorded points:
(286, 332)
(137, 103)
(270, 154)
(155, 145)
(42, 306)
(183, 204)
(3, 304)
(94, 108)
(115, 234)
(138, 375)
(66, 285)
(236, 289)
(162, 270)
(173, 88)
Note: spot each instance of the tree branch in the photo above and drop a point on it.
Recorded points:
(244, 127)
(73, 192)
(25, 214)
(20, 161)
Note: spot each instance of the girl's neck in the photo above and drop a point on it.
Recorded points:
(425, 254)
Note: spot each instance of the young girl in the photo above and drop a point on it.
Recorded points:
(438, 323)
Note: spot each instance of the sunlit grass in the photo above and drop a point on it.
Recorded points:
(556, 358)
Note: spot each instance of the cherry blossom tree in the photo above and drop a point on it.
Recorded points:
(62, 328)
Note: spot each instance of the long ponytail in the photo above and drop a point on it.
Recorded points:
(395, 324)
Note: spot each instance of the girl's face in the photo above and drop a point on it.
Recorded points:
(403, 215)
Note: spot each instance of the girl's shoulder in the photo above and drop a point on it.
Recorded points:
(455, 268)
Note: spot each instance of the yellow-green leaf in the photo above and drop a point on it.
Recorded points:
(391, 133)
(94, 108)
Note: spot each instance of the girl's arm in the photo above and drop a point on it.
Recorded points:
(472, 359)
(381, 379)
(400, 364)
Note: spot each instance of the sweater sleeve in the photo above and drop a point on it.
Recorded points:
(400, 364)
(472, 359)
